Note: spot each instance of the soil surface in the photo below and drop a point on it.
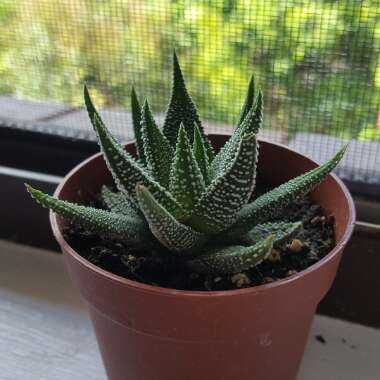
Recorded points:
(309, 245)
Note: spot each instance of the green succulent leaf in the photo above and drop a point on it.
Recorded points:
(174, 235)
(217, 209)
(157, 150)
(249, 99)
(121, 226)
(136, 122)
(252, 121)
(119, 203)
(200, 154)
(181, 109)
(272, 203)
(231, 259)
(126, 172)
(250, 124)
(186, 180)
(281, 231)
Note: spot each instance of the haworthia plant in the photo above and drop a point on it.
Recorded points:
(180, 196)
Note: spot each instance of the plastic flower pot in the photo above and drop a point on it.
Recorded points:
(152, 333)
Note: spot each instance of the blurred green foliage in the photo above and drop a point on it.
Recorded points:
(318, 62)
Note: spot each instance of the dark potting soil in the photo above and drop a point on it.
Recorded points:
(308, 246)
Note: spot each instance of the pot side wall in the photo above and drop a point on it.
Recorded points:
(151, 333)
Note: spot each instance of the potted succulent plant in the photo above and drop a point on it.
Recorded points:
(189, 270)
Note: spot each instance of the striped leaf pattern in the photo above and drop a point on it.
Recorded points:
(250, 124)
(181, 109)
(232, 259)
(119, 203)
(272, 203)
(157, 150)
(174, 235)
(216, 210)
(186, 180)
(125, 170)
(105, 222)
(136, 123)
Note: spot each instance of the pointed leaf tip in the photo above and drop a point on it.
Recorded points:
(98, 220)
(232, 259)
(136, 123)
(176, 64)
(250, 123)
(181, 109)
(281, 231)
(87, 97)
(249, 99)
(31, 190)
(178, 78)
(182, 135)
(273, 202)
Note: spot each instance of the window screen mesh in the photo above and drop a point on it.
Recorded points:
(318, 63)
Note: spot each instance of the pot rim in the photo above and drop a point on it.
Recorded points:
(161, 291)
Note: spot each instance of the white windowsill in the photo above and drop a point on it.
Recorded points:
(45, 333)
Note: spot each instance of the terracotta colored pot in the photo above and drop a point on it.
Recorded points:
(152, 333)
